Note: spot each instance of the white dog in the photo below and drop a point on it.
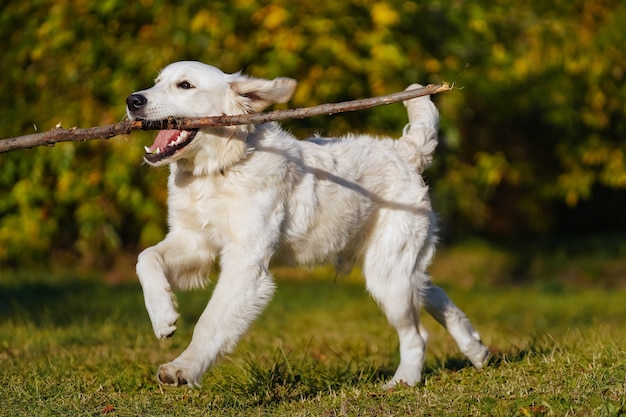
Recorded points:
(250, 193)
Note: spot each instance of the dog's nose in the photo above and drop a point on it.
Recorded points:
(136, 102)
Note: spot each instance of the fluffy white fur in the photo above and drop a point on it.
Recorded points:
(249, 194)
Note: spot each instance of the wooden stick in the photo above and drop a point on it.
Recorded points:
(75, 134)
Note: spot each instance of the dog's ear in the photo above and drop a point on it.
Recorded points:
(256, 94)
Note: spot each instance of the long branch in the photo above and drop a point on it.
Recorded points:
(59, 134)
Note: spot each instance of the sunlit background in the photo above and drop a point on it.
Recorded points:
(532, 139)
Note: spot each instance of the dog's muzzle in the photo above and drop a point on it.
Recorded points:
(167, 142)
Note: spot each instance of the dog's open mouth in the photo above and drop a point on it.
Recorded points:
(167, 143)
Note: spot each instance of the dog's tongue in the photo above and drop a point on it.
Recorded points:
(163, 138)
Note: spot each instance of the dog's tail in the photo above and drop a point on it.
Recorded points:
(419, 138)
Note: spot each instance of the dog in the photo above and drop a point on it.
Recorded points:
(249, 194)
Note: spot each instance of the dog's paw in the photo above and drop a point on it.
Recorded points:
(165, 326)
(175, 375)
(479, 356)
(162, 311)
(476, 352)
(394, 383)
(407, 374)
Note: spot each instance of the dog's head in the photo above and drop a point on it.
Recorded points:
(194, 89)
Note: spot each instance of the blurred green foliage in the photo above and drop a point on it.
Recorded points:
(532, 142)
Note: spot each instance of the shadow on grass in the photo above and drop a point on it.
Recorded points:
(538, 345)
(286, 377)
(67, 300)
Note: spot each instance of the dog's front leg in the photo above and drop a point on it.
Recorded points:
(244, 288)
(157, 268)
(157, 291)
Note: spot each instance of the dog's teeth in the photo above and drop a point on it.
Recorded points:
(158, 151)
(180, 139)
(146, 149)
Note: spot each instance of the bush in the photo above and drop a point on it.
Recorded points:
(532, 142)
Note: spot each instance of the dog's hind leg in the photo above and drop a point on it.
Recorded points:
(390, 273)
(439, 305)
(396, 298)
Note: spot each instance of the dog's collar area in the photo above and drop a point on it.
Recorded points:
(167, 142)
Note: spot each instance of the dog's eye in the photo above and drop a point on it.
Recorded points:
(185, 85)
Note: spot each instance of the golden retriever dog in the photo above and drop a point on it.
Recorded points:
(248, 194)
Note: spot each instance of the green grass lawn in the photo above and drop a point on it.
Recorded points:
(72, 345)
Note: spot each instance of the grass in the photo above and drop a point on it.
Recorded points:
(73, 345)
